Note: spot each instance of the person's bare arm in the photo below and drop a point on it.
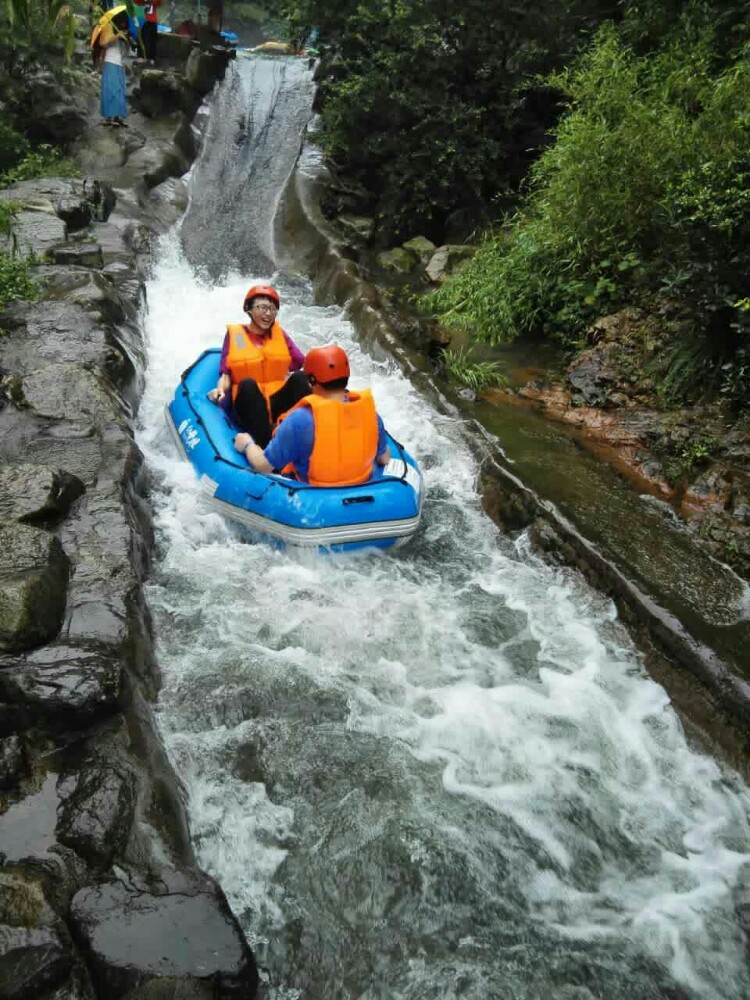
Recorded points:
(222, 388)
(384, 457)
(253, 453)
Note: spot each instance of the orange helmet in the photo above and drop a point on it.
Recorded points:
(256, 290)
(327, 364)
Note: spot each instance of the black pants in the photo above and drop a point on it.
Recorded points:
(251, 412)
(149, 31)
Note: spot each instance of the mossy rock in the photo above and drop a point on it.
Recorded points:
(398, 260)
(33, 586)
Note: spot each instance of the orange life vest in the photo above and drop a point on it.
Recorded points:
(268, 363)
(346, 439)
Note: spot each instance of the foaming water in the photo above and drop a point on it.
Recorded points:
(433, 774)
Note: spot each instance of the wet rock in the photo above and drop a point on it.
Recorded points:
(77, 202)
(96, 814)
(168, 200)
(592, 376)
(203, 69)
(95, 292)
(446, 260)
(36, 230)
(135, 939)
(32, 493)
(105, 149)
(398, 261)
(59, 681)
(35, 950)
(11, 761)
(68, 392)
(88, 254)
(421, 248)
(56, 331)
(163, 92)
(174, 48)
(158, 160)
(32, 960)
(33, 584)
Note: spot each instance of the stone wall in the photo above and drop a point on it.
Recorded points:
(100, 895)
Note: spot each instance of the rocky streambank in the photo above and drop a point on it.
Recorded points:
(618, 391)
(100, 894)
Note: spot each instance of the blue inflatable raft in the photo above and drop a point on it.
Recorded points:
(383, 512)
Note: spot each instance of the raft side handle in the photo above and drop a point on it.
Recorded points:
(366, 499)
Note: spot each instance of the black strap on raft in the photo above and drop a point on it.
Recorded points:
(281, 480)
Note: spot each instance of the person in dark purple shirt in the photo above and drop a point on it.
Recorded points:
(260, 375)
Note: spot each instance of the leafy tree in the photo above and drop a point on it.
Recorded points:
(646, 191)
(424, 100)
(33, 22)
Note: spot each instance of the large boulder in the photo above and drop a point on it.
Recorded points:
(446, 260)
(162, 92)
(421, 248)
(63, 683)
(35, 229)
(66, 329)
(593, 375)
(78, 253)
(35, 948)
(158, 160)
(36, 493)
(398, 261)
(68, 392)
(135, 940)
(33, 584)
(76, 201)
(97, 811)
(204, 68)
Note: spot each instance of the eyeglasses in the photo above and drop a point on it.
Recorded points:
(265, 307)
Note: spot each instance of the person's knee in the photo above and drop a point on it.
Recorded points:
(248, 389)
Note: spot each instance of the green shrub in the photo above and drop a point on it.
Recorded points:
(644, 192)
(15, 279)
(45, 161)
(477, 375)
(13, 146)
(7, 210)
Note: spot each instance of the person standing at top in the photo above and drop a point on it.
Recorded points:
(333, 437)
(110, 44)
(150, 29)
(259, 371)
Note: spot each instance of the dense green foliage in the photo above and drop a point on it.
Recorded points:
(44, 161)
(15, 279)
(424, 100)
(25, 25)
(645, 192)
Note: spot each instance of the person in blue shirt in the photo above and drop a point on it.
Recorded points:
(332, 437)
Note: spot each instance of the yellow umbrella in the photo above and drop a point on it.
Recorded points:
(104, 21)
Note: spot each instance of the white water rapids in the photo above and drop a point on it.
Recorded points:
(433, 774)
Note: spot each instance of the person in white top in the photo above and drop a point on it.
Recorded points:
(114, 43)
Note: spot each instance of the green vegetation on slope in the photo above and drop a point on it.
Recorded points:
(644, 193)
(422, 101)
